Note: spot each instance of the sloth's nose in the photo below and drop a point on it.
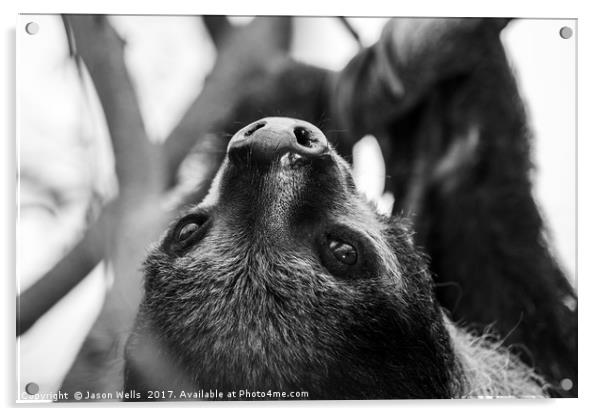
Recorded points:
(268, 139)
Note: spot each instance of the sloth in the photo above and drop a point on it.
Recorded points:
(286, 279)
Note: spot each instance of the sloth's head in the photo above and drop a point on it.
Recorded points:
(284, 278)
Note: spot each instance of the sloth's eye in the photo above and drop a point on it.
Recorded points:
(187, 231)
(343, 252)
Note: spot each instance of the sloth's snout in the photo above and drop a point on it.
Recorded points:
(268, 139)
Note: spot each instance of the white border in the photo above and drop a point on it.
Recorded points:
(589, 207)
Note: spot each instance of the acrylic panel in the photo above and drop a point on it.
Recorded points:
(295, 208)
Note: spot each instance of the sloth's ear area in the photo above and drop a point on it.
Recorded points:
(400, 238)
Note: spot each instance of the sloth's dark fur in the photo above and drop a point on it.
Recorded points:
(251, 306)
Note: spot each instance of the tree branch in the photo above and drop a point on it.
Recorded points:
(245, 55)
(64, 276)
(351, 30)
(409, 59)
(218, 27)
(101, 50)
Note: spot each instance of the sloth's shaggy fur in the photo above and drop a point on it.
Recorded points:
(252, 304)
(491, 370)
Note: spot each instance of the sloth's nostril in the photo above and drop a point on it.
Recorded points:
(303, 136)
(254, 128)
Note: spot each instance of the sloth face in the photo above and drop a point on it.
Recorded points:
(285, 278)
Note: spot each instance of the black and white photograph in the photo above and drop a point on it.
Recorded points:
(295, 208)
